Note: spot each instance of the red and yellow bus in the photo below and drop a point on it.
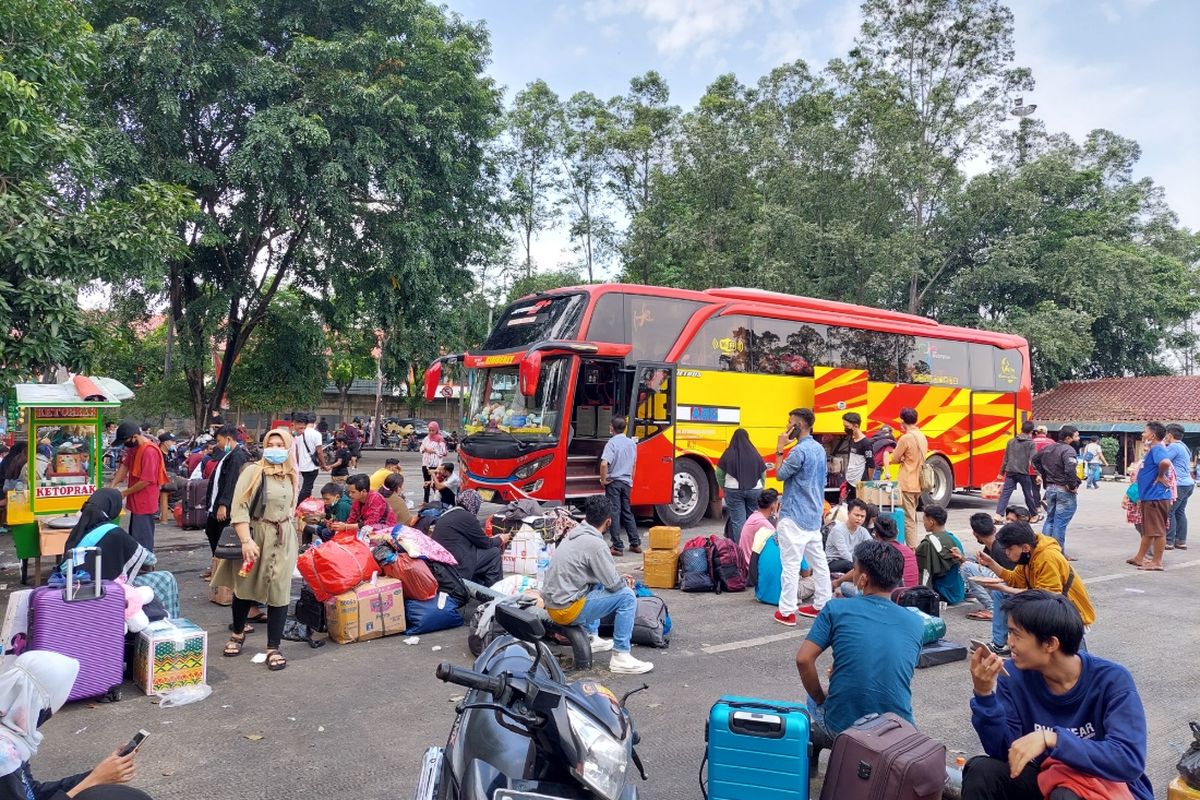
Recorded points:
(688, 368)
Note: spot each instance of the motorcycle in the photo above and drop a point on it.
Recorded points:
(523, 733)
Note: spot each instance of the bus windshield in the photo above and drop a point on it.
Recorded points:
(498, 405)
(537, 319)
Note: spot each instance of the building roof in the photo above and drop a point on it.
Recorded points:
(1172, 398)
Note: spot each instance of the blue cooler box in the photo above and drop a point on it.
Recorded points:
(757, 750)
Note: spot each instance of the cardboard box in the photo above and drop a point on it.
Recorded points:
(169, 654)
(219, 595)
(368, 611)
(881, 493)
(521, 555)
(664, 537)
(660, 568)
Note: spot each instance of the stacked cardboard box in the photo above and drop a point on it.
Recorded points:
(660, 562)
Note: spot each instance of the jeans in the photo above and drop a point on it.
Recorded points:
(972, 569)
(599, 603)
(999, 620)
(819, 733)
(987, 778)
(1060, 507)
(796, 545)
(741, 503)
(1177, 530)
(622, 514)
(1011, 481)
(1093, 476)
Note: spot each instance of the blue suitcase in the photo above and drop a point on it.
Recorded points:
(897, 515)
(757, 750)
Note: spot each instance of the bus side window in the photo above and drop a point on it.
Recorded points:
(785, 347)
(875, 351)
(721, 343)
(653, 404)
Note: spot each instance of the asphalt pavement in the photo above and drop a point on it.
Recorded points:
(351, 722)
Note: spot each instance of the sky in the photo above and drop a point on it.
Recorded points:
(1132, 66)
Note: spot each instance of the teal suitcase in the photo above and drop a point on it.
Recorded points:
(757, 750)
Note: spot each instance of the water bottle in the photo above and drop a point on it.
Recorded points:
(543, 563)
(953, 788)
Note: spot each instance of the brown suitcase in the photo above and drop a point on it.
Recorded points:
(882, 757)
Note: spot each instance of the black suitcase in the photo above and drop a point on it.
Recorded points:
(941, 652)
(310, 611)
(195, 504)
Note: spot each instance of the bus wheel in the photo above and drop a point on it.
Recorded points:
(943, 483)
(689, 499)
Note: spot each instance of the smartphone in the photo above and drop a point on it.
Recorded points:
(135, 742)
(975, 644)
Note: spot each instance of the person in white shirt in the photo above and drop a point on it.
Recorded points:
(306, 448)
(845, 536)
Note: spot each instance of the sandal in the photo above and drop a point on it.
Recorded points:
(261, 616)
(206, 575)
(248, 628)
(275, 661)
(1134, 562)
(234, 647)
(1168, 547)
(981, 614)
(1149, 568)
(1036, 518)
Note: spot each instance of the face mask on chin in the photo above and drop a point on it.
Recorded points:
(1023, 559)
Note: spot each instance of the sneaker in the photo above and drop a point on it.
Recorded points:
(626, 664)
(1000, 649)
(812, 612)
(635, 548)
(790, 619)
(615, 552)
(601, 645)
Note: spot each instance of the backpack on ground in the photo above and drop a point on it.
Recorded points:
(694, 573)
(725, 565)
(919, 597)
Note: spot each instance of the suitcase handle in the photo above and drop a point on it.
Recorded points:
(81, 554)
(764, 726)
(777, 708)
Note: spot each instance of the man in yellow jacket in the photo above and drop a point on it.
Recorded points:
(1040, 564)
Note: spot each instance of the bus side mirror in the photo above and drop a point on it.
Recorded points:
(433, 376)
(529, 373)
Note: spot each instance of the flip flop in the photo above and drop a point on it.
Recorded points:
(982, 615)
(1133, 563)
(1145, 568)
(259, 617)
(248, 629)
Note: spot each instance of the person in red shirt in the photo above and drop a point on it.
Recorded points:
(367, 507)
(143, 471)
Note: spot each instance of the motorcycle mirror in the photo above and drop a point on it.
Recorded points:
(518, 622)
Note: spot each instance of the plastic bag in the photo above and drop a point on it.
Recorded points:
(182, 695)
(1189, 762)
(337, 566)
(414, 576)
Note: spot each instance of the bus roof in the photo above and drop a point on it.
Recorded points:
(759, 302)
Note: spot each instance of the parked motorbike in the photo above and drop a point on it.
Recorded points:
(523, 733)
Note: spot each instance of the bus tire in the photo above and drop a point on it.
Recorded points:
(943, 484)
(690, 495)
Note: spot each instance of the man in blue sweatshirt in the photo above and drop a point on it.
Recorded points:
(1054, 702)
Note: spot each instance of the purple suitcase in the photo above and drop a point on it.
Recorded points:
(195, 504)
(90, 629)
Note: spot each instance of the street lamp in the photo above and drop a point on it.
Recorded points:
(1022, 112)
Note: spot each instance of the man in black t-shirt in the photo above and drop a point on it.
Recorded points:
(339, 468)
(860, 453)
(983, 528)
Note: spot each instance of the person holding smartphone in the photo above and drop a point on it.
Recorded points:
(33, 688)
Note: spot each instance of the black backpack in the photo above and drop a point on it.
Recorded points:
(695, 574)
(919, 597)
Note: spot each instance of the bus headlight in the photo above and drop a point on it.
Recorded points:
(603, 760)
(526, 470)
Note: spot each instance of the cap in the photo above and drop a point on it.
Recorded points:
(1042, 429)
(128, 429)
(167, 437)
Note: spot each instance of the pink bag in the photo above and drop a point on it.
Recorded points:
(337, 566)
(418, 545)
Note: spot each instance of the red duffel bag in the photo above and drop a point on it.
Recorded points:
(414, 576)
(337, 566)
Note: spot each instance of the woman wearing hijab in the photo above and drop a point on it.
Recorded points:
(33, 688)
(459, 531)
(120, 553)
(740, 471)
(264, 508)
(433, 452)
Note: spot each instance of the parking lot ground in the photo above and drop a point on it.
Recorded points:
(350, 722)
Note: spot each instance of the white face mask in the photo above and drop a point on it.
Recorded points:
(275, 455)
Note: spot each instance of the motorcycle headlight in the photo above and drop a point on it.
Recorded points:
(603, 760)
(525, 471)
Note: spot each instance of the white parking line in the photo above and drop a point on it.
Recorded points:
(1116, 576)
(712, 649)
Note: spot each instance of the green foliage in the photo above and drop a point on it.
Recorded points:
(1110, 447)
(135, 354)
(542, 282)
(324, 143)
(529, 160)
(283, 365)
(63, 222)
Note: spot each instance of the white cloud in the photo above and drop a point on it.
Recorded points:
(699, 28)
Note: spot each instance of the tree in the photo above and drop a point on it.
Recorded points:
(530, 164)
(283, 366)
(930, 80)
(134, 352)
(320, 141)
(582, 145)
(351, 358)
(63, 222)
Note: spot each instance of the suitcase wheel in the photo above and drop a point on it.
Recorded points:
(113, 695)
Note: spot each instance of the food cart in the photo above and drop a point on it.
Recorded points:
(64, 427)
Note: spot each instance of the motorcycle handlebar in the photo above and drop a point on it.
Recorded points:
(471, 679)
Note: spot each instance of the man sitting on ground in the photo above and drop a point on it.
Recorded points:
(367, 507)
(886, 532)
(446, 482)
(583, 586)
(1059, 718)
(875, 644)
(478, 555)
(1040, 564)
(759, 527)
(939, 555)
(983, 528)
(337, 509)
(390, 467)
(845, 536)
